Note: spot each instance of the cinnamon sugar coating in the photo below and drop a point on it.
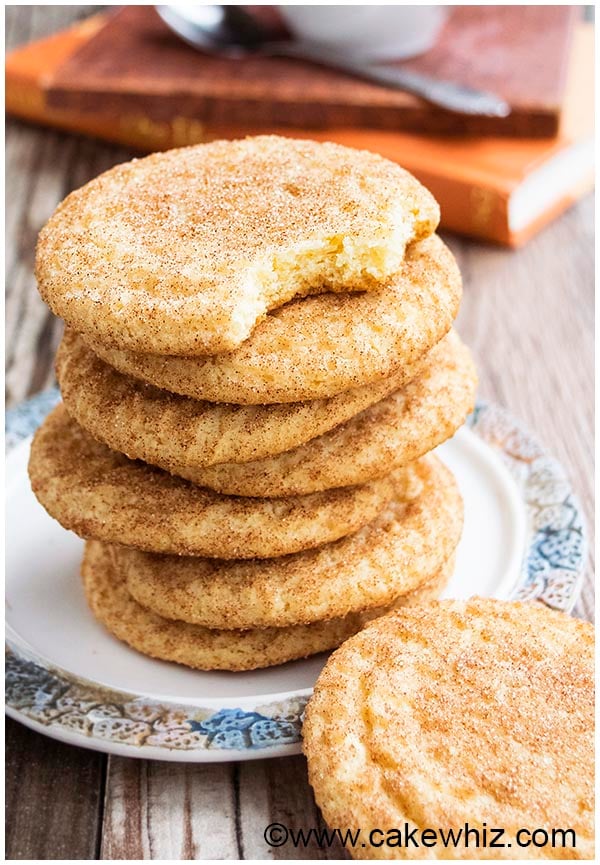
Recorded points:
(205, 649)
(319, 346)
(393, 554)
(101, 494)
(166, 429)
(478, 712)
(184, 252)
(395, 431)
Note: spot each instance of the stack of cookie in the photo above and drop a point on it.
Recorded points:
(258, 359)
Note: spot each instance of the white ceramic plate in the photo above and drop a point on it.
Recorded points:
(70, 679)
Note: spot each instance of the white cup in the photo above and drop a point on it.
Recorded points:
(367, 32)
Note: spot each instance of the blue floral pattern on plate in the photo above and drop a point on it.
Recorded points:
(551, 573)
(25, 418)
(553, 565)
(55, 698)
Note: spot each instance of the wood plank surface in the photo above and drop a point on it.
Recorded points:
(527, 315)
(171, 811)
(53, 797)
(54, 792)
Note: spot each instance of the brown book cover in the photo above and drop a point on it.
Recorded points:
(476, 179)
(136, 64)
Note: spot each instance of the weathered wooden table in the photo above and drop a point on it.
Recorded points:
(528, 317)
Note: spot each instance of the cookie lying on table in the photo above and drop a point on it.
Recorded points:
(475, 712)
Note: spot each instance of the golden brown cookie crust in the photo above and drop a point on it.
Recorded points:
(101, 494)
(169, 430)
(395, 431)
(458, 712)
(392, 555)
(320, 346)
(184, 252)
(205, 649)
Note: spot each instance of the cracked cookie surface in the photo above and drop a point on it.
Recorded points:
(205, 649)
(458, 712)
(184, 252)
(322, 345)
(391, 555)
(101, 494)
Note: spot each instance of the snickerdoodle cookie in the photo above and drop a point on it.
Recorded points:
(322, 345)
(165, 429)
(393, 432)
(392, 555)
(101, 494)
(206, 649)
(475, 712)
(184, 252)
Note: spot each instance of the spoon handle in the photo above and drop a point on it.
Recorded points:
(448, 95)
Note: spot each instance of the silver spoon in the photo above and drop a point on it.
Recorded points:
(231, 32)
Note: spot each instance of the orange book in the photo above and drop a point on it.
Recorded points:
(498, 189)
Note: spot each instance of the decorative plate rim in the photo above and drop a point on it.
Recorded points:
(75, 710)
